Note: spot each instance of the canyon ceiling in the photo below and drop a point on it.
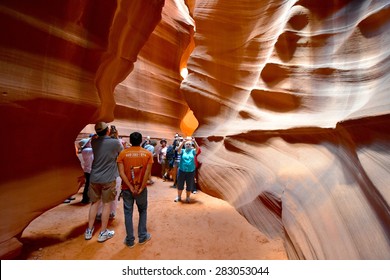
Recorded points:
(289, 100)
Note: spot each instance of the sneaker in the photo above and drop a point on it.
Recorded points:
(131, 245)
(104, 235)
(194, 192)
(177, 199)
(88, 233)
(148, 237)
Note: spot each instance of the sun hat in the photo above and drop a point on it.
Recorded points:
(100, 126)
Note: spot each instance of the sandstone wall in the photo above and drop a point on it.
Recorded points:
(291, 97)
(59, 62)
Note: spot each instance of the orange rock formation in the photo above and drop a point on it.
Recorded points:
(289, 98)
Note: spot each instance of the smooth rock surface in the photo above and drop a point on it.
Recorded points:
(289, 99)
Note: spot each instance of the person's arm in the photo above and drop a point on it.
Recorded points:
(146, 177)
(180, 147)
(121, 169)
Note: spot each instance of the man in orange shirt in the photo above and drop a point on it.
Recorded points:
(135, 165)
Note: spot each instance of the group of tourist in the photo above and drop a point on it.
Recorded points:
(170, 157)
(112, 163)
(178, 163)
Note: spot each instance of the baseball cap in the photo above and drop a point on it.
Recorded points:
(100, 126)
(83, 142)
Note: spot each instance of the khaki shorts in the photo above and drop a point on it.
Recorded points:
(106, 192)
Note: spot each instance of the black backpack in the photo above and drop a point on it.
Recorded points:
(171, 155)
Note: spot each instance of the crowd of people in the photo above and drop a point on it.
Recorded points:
(114, 168)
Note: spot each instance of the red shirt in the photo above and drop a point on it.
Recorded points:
(196, 158)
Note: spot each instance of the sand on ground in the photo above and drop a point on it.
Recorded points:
(206, 229)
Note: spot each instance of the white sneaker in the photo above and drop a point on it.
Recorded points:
(88, 233)
(104, 235)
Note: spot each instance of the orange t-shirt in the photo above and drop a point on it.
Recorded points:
(135, 158)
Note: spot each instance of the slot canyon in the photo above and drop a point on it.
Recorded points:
(289, 100)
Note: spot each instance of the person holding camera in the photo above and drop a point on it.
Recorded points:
(104, 172)
(187, 168)
(176, 160)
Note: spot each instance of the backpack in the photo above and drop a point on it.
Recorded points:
(170, 155)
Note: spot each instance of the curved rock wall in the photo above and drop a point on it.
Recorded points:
(59, 62)
(291, 99)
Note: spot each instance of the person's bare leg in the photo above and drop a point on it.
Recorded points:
(105, 215)
(178, 198)
(92, 213)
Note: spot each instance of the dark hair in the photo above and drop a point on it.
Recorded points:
(135, 139)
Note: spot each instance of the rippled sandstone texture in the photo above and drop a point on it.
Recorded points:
(292, 100)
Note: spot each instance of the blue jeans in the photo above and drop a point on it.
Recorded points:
(142, 204)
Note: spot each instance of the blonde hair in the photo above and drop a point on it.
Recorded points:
(188, 142)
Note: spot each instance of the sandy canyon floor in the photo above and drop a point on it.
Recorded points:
(206, 229)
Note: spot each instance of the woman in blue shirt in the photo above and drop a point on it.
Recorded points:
(186, 170)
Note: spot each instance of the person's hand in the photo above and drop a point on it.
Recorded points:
(132, 190)
(135, 191)
(139, 191)
(134, 194)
